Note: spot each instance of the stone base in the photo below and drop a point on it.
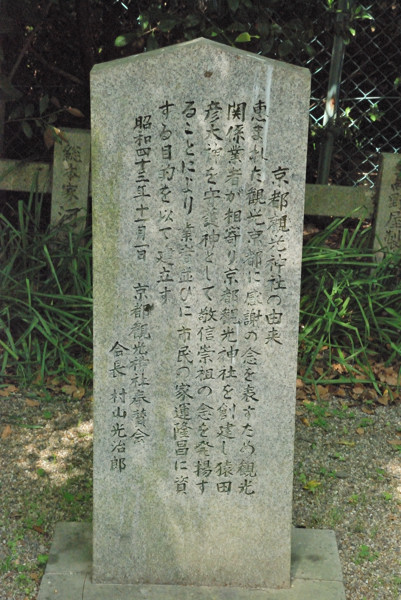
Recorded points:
(315, 573)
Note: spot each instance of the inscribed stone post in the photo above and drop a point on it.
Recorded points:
(199, 155)
(70, 188)
(388, 216)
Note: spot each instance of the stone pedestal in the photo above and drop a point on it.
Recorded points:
(315, 573)
(199, 154)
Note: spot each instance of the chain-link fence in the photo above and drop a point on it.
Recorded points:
(369, 111)
(370, 96)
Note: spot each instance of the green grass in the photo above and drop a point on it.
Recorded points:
(350, 305)
(365, 554)
(350, 311)
(45, 296)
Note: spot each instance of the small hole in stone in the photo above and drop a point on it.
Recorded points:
(208, 73)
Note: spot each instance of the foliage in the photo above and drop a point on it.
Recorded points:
(47, 49)
(350, 314)
(240, 22)
(350, 310)
(45, 295)
(25, 39)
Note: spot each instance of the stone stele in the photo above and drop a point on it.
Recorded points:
(70, 187)
(388, 217)
(199, 155)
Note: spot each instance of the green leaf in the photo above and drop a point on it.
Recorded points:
(143, 21)
(55, 101)
(125, 39)
(310, 50)
(285, 48)
(167, 25)
(362, 13)
(243, 37)
(192, 20)
(17, 113)
(43, 558)
(29, 110)
(41, 472)
(43, 104)
(69, 497)
(27, 129)
(152, 43)
(312, 485)
(233, 5)
(264, 28)
(267, 45)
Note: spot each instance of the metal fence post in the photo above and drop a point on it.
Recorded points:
(333, 91)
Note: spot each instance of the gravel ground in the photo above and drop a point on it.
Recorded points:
(347, 477)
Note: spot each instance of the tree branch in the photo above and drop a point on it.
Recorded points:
(29, 41)
(57, 69)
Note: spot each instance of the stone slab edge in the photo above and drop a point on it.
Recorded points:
(389, 172)
(316, 573)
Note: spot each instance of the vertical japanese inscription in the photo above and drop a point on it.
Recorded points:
(198, 184)
(72, 165)
(70, 183)
(129, 398)
(392, 232)
(217, 270)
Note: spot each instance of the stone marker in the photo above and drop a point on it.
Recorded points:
(199, 155)
(70, 188)
(198, 183)
(388, 217)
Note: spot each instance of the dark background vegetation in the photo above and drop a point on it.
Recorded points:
(48, 47)
(350, 308)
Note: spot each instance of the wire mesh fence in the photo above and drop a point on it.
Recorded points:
(369, 111)
(370, 97)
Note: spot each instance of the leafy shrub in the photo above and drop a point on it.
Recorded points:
(45, 294)
(350, 302)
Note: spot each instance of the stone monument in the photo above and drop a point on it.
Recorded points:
(199, 155)
(70, 186)
(388, 217)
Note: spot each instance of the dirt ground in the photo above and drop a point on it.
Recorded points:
(347, 477)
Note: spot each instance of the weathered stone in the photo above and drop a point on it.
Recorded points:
(70, 188)
(388, 215)
(339, 201)
(199, 155)
(315, 573)
(20, 176)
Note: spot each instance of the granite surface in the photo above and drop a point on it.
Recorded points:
(70, 186)
(315, 573)
(199, 155)
(388, 216)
